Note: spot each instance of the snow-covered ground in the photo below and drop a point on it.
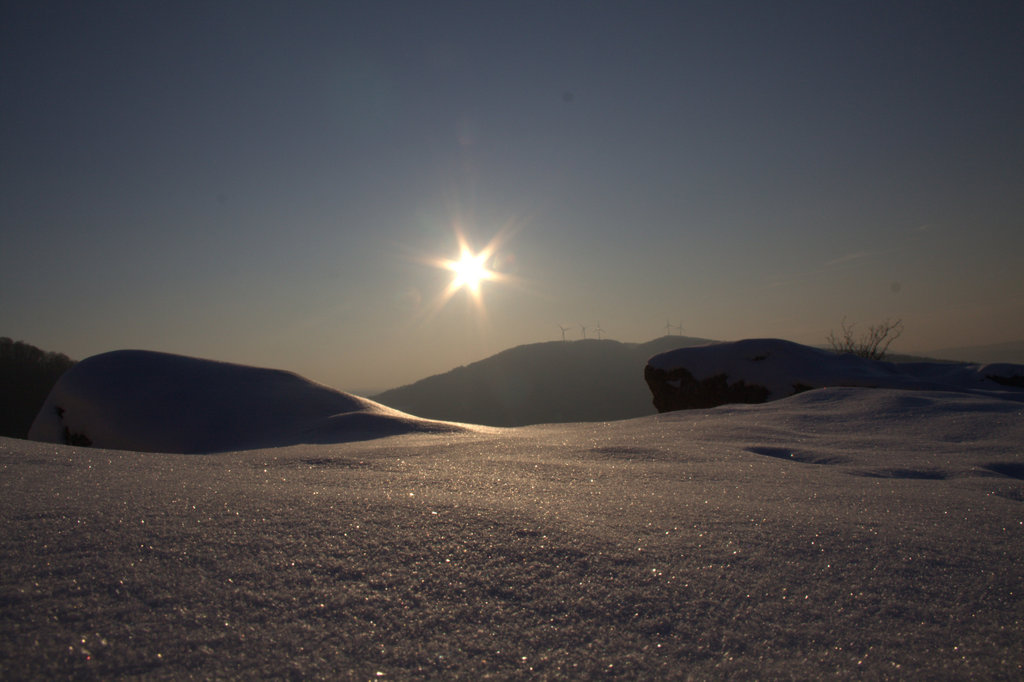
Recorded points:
(841, 532)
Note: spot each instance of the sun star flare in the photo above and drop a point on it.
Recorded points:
(470, 270)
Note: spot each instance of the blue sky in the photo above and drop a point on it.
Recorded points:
(264, 182)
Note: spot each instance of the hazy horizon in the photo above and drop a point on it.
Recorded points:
(287, 186)
(1013, 350)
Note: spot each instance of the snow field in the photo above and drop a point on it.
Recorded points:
(842, 532)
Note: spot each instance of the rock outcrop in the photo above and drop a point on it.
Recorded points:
(758, 370)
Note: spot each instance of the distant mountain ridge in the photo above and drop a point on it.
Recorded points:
(551, 382)
(1010, 351)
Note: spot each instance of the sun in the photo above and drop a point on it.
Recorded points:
(470, 270)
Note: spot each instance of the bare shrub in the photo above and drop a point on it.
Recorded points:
(872, 345)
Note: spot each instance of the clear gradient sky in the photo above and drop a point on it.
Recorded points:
(265, 182)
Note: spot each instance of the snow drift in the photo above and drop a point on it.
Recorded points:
(759, 370)
(158, 402)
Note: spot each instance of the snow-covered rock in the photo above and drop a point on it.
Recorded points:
(758, 370)
(158, 402)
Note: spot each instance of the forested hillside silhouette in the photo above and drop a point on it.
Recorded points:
(26, 376)
(557, 381)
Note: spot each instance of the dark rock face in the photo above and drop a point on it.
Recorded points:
(1012, 381)
(677, 389)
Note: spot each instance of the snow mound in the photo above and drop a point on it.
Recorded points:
(158, 402)
(758, 370)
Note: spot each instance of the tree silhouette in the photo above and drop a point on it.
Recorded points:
(26, 376)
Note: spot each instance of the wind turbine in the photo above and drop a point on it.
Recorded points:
(564, 330)
(668, 328)
(598, 331)
(584, 331)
